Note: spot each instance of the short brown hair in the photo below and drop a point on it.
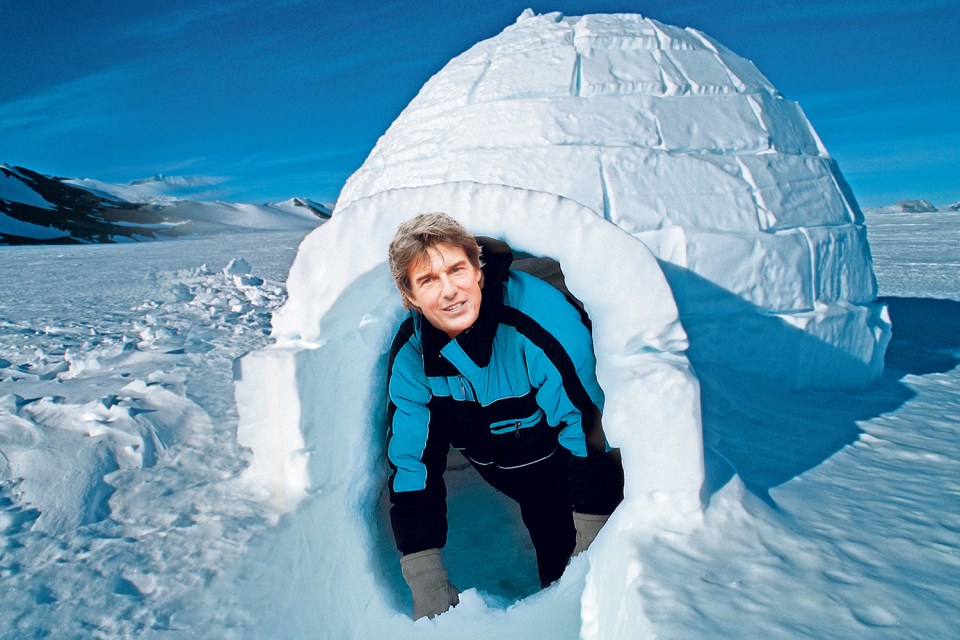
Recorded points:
(415, 236)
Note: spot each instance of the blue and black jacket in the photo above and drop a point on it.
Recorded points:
(516, 388)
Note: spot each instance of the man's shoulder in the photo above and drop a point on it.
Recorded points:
(521, 285)
(528, 293)
(406, 334)
(535, 307)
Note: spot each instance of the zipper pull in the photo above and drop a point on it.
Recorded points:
(516, 429)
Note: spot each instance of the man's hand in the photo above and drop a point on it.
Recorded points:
(588, 526)
(428, 581)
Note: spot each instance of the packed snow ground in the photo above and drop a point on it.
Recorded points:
(117, 425)
(830, 515)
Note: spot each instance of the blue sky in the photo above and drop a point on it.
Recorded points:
(287, 97)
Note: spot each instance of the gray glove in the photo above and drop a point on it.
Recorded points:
(427, 578)
(588, 526)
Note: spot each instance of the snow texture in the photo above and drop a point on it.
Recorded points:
(828, 514)
(729, 241)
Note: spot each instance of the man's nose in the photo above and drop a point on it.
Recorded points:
(447, 287)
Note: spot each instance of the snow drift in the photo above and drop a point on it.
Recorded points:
(681, 195)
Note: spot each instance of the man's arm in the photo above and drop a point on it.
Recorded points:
(562, 366)
(418, 457)
(417, 454)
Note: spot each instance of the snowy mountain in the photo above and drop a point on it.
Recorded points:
(918, 205)
(41, 209)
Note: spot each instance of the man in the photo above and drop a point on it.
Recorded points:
(498, 364)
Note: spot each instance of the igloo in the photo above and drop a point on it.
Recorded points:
(692, 210)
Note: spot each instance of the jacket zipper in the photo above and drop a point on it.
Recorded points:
(464, 384)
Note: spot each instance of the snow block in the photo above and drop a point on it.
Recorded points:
(842, 264)
(795, 191)
(699, 72)
(577, 168)
(862, 331)
(770, 271)
(647, 189)
(270, 424)
(551, 73)
(621, 72)
(790, 131)
(599, 121)
(615, 32)
(443, 93)
(532, 32)
(732, 128)
(745, 76)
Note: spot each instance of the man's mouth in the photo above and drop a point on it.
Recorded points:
(455, 308)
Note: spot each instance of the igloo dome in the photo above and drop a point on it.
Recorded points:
(683, 144)
(693, 212)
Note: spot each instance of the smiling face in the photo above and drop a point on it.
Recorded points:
(445, 288)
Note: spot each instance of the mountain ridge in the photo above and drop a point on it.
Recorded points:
(41, 209)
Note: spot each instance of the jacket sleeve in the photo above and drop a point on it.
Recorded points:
(416, 453)
(562, 367)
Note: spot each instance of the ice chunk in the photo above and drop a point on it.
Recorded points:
(237, 267)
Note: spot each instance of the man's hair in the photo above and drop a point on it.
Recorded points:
(415, 236)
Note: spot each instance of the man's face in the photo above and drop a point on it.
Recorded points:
(445, 288)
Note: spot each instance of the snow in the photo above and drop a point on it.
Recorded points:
(117, 426)
(166, 191)
(14, 190)
(159, 189)
(830, 514)
(86, 218)
(916, 206)
(26, 229)
(214, 217)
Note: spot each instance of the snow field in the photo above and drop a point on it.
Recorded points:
(117, 489)
(829, 514)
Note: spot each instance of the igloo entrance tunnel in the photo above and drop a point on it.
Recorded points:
(693, 211)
